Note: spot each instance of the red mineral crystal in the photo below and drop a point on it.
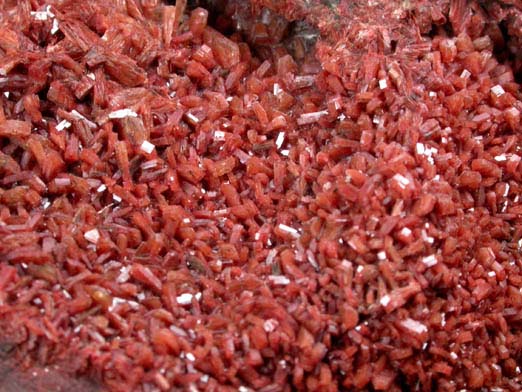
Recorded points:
(260, 195)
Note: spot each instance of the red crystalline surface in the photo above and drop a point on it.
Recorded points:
(328, 198)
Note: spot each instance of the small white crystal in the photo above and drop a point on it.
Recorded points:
(219, 135)
(92, 236)
(465, 74)
(501, 158)
(277, 89)
(39, 15)
(193, 118)
(429, 261)
(381, 255)
(115, 302)
(184, 299)
(280, 140)
(147, 147)
(385, 300)
(270, 325)
(124, 275)
(406, 232)
(190, 357)
(123, 113)
(223, 211)
(401, 180)
(76, 114)
(101, 188)
(116, 198)
(383, 84)
(427, 238)
(304, 80)
(55, 27)
(414, 325)
(91, 76)
(204, 378)
(419, 148)
(63, 125)
(279, 280)
(49, 12)
(453, 355)
(497, 90)
(290, 230)
(432, 94)
(309, 118)
(285, 152)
